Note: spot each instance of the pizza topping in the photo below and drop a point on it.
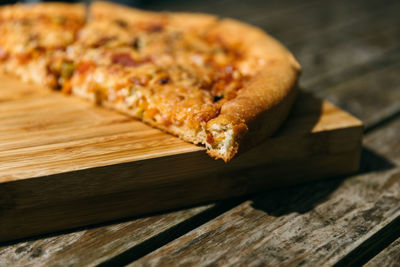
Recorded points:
(132, 90)
(66, 87)
(121, 23)
(139, 81)
(60, 20)
(103, 40)
(153, 28)
(210, 139)
(23, 58)
(33, 38)
(217, 98)
(84, 67)
(123, 59)
(209, 112)
(67, 69)
(163, 80)
(3, 54)
(137, 43)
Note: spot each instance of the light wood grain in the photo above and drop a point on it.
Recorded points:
(59, 151)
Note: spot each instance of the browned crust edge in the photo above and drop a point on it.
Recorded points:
(182, 20)
(263, 104)
(112, 10)
(67, 9)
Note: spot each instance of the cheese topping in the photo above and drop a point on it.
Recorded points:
(35, 35)
(169, 75)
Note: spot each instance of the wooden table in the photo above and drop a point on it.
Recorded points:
(350, 54)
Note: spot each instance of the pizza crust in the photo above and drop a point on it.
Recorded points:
(197, 22)
(264, 102)
(19, 10)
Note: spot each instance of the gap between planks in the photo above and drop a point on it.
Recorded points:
(390, 256)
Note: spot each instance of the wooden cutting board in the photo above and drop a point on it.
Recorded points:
(65, 163)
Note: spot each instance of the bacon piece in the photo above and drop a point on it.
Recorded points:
(123, 59)
(24, 57)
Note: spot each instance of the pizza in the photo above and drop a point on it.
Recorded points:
(211, 81)
(33, 38)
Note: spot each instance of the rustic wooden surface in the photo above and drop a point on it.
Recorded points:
(292, 224)
(57, 151)
(350, 53)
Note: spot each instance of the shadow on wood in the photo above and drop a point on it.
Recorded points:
(286, 200)
(371, 161)
(283, 201)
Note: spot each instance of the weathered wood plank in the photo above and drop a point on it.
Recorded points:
(224, 7)
(342, 58)
(335, 53)
(305, 23)
(362, 20)
(350, 64)
(284, 19)
(371, 96)
(386, 141)
(89, 247)
(317, 224)
(389, 257)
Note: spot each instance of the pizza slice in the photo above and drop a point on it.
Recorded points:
(209, 81)
(33, 39)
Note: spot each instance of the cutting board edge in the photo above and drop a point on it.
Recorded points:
(57, 216)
